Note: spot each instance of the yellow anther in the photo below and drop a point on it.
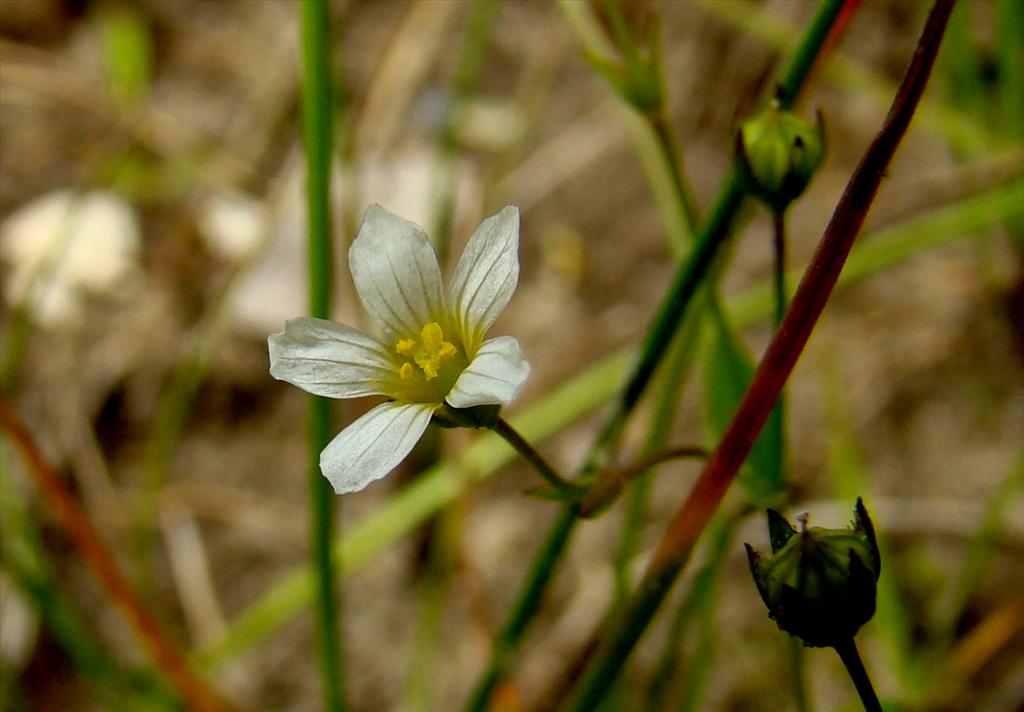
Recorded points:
(404, 347)
(427, 353)
(432, 336)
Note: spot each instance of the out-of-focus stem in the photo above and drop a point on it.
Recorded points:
(103, 565)
(318, 134)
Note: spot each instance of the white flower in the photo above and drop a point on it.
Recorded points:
(431, 352)
(65, 245)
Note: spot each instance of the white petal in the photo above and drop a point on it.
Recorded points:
(486, 275)
(373, 445)
(396, 273)
(329, 359)
(494, 377)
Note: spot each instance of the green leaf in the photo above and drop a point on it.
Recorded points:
(729, 369)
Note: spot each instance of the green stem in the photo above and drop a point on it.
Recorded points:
(697, 602)
(530, 454)
(525, 607)
(317, 124)
(673, 159)
(669, 389)
(851, 659)
(779, 272)
(797, 678)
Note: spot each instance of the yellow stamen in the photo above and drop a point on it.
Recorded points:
(430, 351)
(404, 347)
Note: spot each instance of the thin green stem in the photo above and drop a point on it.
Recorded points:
(851, 659)
(673, 159)
(530, 454)
(317, 124)
(697, 601)
(779, 271)
(796, 673)
(525, 607)
(669, 390)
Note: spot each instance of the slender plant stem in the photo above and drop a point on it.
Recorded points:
(524, 608)
(103, 565)
(317, 124)
(689, 522)
(659, 336)
(673, 159)
(779, 271)
(669, 389)
(604, 490)
(851, 659)
(797, 678)
(530, 454)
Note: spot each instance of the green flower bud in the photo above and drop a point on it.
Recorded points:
(779, 153)
(819, 584)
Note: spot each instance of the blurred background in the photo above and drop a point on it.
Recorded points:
(153, 235)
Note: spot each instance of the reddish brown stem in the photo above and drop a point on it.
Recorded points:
(193, 689)
(806, 307)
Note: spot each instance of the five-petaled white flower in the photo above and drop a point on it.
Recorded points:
(431, 349)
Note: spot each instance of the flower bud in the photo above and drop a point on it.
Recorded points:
(819, 584)
(779, 153)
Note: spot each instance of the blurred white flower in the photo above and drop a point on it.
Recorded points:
(233, 225)
(63, 245)
(431, 352)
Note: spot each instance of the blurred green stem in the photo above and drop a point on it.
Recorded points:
(317, 124)
(671, 386)
(797, 678)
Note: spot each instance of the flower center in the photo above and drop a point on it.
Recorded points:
(427, 353)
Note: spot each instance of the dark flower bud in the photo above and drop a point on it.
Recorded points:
(819, 584)
(780, 152)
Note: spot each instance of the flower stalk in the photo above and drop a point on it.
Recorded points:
(562, 487)
(855, 667)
